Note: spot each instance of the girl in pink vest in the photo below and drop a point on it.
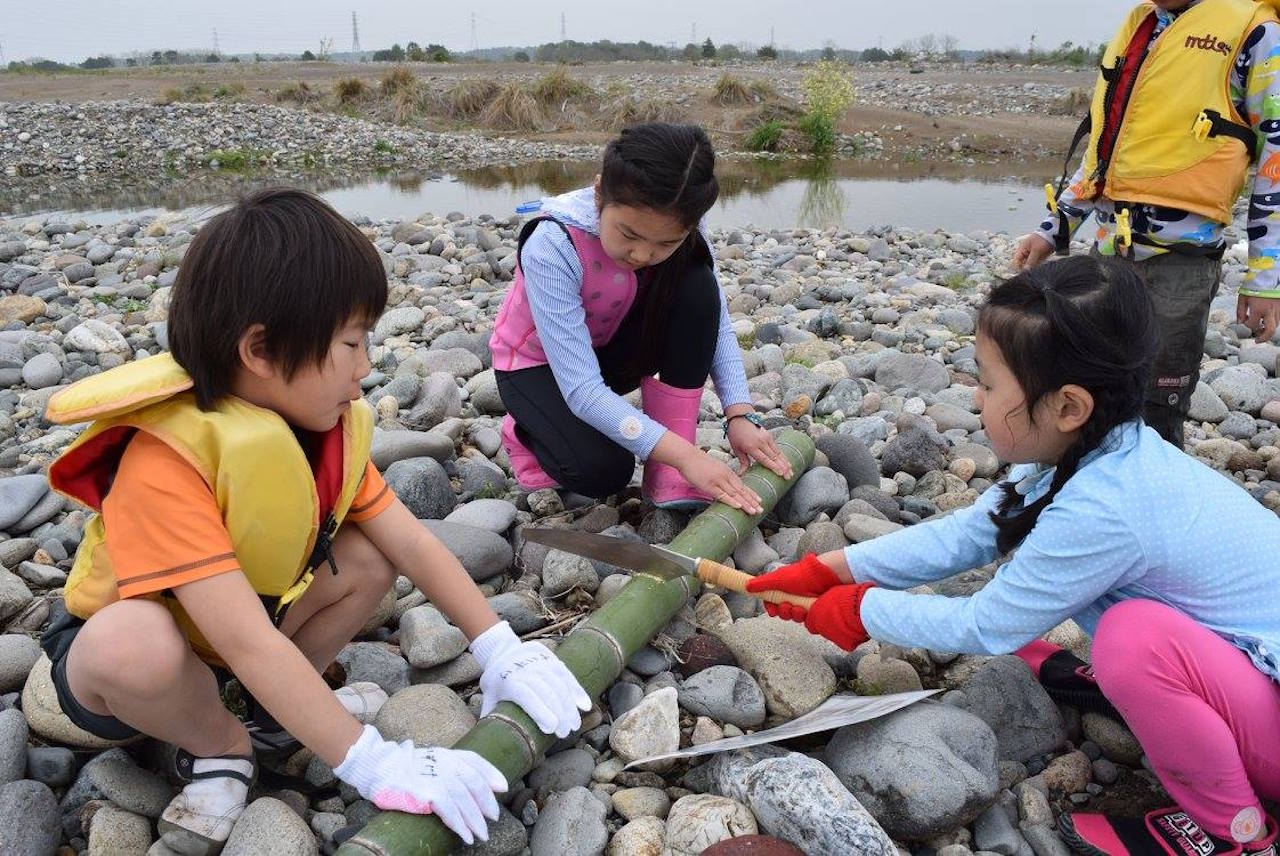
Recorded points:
(615, 284)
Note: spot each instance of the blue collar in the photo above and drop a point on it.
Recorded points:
(1036, 483)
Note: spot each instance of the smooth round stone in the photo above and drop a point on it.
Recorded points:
(44, 713)
(18, 653)
(41, 371)
(623, 696)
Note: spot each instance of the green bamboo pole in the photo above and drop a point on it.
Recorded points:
(595, 651)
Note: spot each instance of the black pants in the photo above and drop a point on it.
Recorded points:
(1181, 289)
(572, 452)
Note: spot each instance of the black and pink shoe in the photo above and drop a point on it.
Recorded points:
(1163, 832)
(1066, 678)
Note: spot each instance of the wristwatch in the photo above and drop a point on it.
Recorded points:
(751, 416)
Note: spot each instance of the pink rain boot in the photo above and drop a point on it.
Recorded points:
(524, 465)
(676, 410)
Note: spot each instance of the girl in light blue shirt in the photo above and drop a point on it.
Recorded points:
(1170, 565)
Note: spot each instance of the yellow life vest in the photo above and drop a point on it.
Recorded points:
(1176, 145)
(247, 455)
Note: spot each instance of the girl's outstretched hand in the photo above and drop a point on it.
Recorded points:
(720, 482)
(752, 443)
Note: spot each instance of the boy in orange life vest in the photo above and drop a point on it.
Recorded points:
(242, 524)
(1189, 94)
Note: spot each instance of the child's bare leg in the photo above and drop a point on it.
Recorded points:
(132, 662)
(336, 606)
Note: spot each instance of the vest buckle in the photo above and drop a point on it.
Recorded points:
(1124, 231)
(1202, 127)
(1051, 199)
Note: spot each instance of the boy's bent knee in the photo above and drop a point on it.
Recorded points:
(132, 638)
(356, 553)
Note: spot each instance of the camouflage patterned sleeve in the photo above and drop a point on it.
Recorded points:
(1255, 89)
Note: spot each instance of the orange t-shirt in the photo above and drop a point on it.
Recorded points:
(164, 527)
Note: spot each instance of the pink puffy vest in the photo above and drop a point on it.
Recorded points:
(608, 290)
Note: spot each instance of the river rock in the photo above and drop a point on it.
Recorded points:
(427, 714)
(916, 372)
(920, 771)
(796, 798)
(851, 458)
(1005, 695)
(30, 819)
(787, 666)
(268, 827)
(18, 653)
(697, 821)
(818, 490)
(492, 515)
(644, 836)
(726, 694)
(116, 832)
(391, 446)
(427, 639)
(572, 824)
(652, 727)
(45, 716)
(482, 553)
(18, 495)
(423, 486)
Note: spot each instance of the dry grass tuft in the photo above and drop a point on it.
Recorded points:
(512, 109)
(350, 89)
(629, 111)
(397, 80)
(731, 90)
(469, 98)
(559, 86)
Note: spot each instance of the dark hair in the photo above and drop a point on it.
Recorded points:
(1083, 320)
(670, 169)
(281, 258)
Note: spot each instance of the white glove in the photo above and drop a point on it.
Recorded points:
(456, 785)
(531, 676)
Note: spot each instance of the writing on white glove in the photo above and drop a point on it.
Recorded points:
(456, 785)
(531, 676)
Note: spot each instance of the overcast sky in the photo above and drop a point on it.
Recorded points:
(71, 30)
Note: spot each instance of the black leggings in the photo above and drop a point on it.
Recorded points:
(572, 452)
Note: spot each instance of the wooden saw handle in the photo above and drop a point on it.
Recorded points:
(734, 580)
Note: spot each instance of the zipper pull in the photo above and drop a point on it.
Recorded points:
(325, 542)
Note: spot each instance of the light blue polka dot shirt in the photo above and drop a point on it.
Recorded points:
(1140, 519)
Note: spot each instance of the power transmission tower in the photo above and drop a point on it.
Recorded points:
(562, 26)
(355, 38)
(771, 35)
(475, 44)
(1, 53)
(216, 52)
(693, 33)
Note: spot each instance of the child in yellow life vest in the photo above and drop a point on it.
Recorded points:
(242, 524)
(1187, 98)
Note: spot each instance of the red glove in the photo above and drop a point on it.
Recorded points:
(808, 577)
(837, 615)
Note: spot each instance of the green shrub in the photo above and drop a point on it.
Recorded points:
(820, 131)
(765, 138)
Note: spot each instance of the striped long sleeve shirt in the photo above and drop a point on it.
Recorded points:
(1254, 87)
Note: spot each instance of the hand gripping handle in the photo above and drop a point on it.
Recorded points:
(734, 580)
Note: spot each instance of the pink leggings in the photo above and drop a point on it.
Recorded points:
(1208, 720)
